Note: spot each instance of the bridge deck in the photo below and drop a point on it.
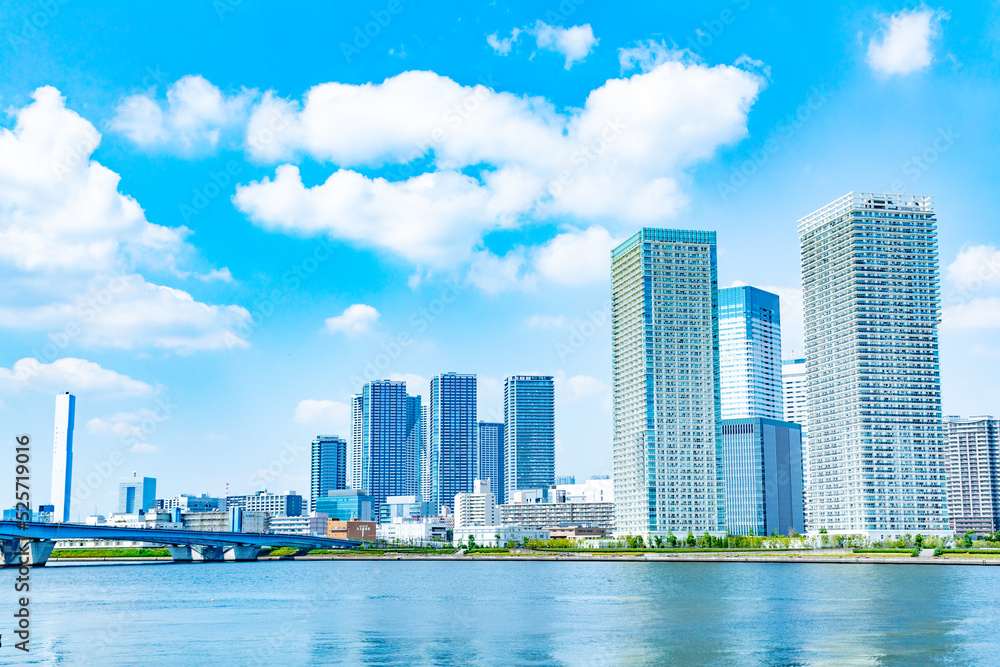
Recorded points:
(75, 531)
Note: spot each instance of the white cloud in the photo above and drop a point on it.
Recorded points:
(503, 46)
(978, 313)
(579, 387)
(498, 160)
(193, 118)
(546, 321)
(646, 55)
(575, 42)
(976, 267)
(77, 376)
(67, 236)
(577, 257)
(325, 414)
(356, 320)
(494, 274)
(904, 45)
(222, 274)
(132, 427)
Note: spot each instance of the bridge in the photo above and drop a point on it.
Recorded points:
(31, 543)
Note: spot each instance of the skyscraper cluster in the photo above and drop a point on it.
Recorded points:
(708, 421)
(400, 446)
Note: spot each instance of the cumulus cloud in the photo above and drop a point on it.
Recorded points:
(975, 267)
(904, 44)
(129, 427)
(579, 387)
(326, 414)
(70, 242)
(496, 160)
(502, 46)
(192, 119)
(77, 376)
(977, 313)
(356, 320)
(577, 257)
(646, 55)
(575, 43)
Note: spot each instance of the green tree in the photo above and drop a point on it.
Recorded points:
(690, 539)
(671, 539)
(918, 541)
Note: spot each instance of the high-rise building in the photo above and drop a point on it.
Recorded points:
(973, 466)
(750, 353)
(870, 291)
(452, 437)
(383, 462)
(62, 456)
(415, 443)
(762, 471)
(529, 454)
(136, 493)
(665, 373)
(793, 379)
(328, 470)
(489, 456)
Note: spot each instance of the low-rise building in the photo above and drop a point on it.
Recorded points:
(235, 520)
(493, 536)
(346, 504)
(275, 504)
(403, 507)
(362, 531)
(412, 531)
(552, 507)
(576, 532)
(153, 519)
(190, 503)
(312, 525)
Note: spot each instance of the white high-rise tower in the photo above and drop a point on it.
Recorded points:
(62, 456)
(876, 441)
(665, 373)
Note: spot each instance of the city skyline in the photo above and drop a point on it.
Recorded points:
(327, 310)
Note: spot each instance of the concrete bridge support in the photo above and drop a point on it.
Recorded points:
(206, 553)
(180, 554)
(242, 552)
(18, 552)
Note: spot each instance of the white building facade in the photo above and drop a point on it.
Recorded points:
(478, 508)
(973, 466)
(871, 299)
(665, 371)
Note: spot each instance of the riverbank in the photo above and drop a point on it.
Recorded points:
(845, 556)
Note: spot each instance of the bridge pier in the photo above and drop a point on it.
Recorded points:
(207, 553)
(36, 552)
(180, 554)
(242, 552)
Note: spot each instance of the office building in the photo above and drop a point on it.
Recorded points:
(565, 479)
(346, 505)
(275, 504)
(328, 470)
(793, 380)
(594, 490)
(62, 456)
(362, 531)
(665, 374)
(452, 443)
(972, 461)
(489, 456)
(554, 508)
(311, 525)
(750, 353)
(529, 432)
(189, 503)
(404, 507)
(135, 494)
(870, 292)
(478, 508)
(498, 536)
(233, 520)
(384, 460)
(762, 473)
(423, 532)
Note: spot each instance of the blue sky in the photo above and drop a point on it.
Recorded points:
(217, 219)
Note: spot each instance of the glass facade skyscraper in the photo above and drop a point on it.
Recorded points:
(529, 454)
(750, 353)
(665, 374)
(762, 472)
(136, 493)
(328, 469)
(489, 456)
(871, 298)
(382, 458)
(452, 444)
